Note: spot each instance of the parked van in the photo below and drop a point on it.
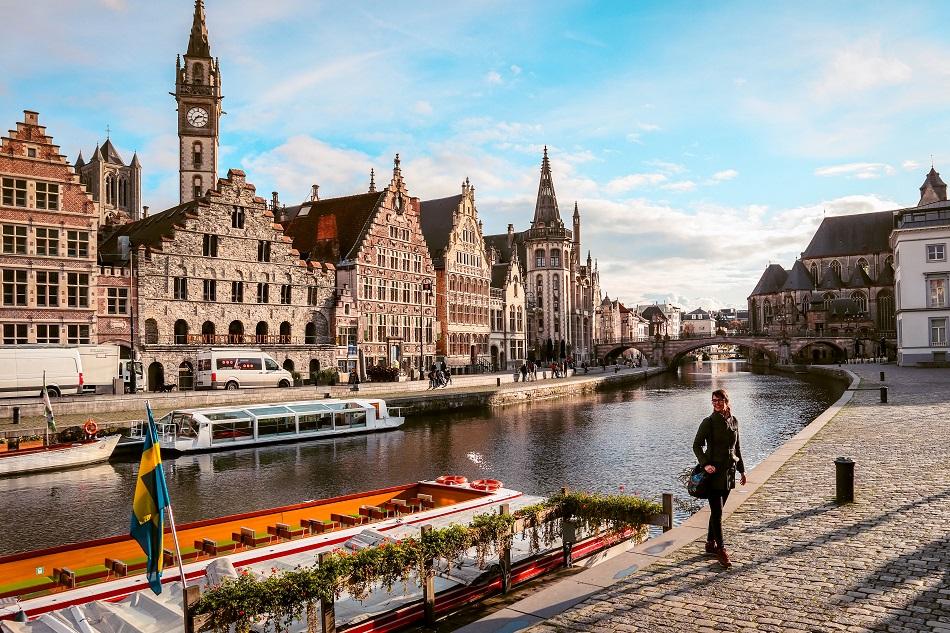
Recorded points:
(231, 368)
(22, 367)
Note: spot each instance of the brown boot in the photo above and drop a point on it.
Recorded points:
(723, 557)
(711, 547)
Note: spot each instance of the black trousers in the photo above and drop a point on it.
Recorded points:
(717, 499)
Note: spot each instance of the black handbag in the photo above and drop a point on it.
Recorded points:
(696, 484)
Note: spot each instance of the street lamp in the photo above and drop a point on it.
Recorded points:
(426, 292)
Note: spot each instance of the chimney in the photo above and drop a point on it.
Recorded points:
(144, 211)
(511, 235)
(314, 193)
(274, 201)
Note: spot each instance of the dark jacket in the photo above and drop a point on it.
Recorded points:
(717, 443)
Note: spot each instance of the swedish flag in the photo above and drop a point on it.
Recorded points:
(149, 503)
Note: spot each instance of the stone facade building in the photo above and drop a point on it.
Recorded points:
(115, 186)
(463, 271)
(508, 319)
(699, 323)
(375, 242)
(49, 226)
(218, 271)
(617, 322)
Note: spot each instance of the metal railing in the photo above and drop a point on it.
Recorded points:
(234, 339)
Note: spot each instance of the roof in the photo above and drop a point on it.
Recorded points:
(545, 209)
(860, 279)
(328, 230)
(771, 281)
(436, 219)
(830, 279)
(798, 278)
(198, 45)
(503, 250)
(933, 190)
(151, 231)
(499, 274)
(855, 234)
(844, 307)
(886, 276)
(653, 311)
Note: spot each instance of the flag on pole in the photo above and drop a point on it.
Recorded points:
(48, 408)
(148, 505)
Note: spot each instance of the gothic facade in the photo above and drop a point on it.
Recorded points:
(115, 186)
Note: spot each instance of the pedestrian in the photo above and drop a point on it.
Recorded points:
(447, 374)
(524, 372)
(717, 449)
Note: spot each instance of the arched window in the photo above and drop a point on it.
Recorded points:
(260, 332)
(310, 334)
(767, 312)
(181, 332)
(836, 268)
(539, 258)
(151, 331)
(885, 311)
(555, 258)
(207, 332)
(863, 263)
(814, 273)
(520, 324)
(110, 199)
(196, 186)
(288, 365)
(790, 308)
(539, 294)
(452, 282)
(236, 332)
(805, 301)
(889, 261)
(860, 299)
(285, 332)
(829, 297)
(196, 155)
(198, 72)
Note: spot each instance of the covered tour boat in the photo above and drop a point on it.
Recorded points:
(57, 456)
(216, 428)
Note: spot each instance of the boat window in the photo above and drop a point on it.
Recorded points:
(259, 411)
(185, 425)
(351, 419)
(281, 425)
(308, 408)
(236, 414)
(230, 431)
(316, 421)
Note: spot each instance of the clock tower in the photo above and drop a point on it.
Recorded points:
(198, 93)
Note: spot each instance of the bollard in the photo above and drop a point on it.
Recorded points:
(16, 415)
(498, 382)
(668, 511)
(882, 376)
(844, 480)
(884, 395)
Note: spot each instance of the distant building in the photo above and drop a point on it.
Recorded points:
(115, 186)
(672, 317)
(920, 241)
(507, 343)
(698, 323)
(658, 324)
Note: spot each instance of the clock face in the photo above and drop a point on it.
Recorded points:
(197, 117)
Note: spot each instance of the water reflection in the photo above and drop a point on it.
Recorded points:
(638, 437)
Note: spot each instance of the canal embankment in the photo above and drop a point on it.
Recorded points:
(466, 392)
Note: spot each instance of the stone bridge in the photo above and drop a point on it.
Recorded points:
(805, 349)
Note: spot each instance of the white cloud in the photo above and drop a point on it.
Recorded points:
(723, 176)
(910, 165)
(515, 69)
(672, 168)
(633, 181)
(859, 67)
(422, 107)
(861, 171)
(493, 78)
(115, 5)
(683, 185)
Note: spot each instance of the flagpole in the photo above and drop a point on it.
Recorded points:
(171, 522)
(46, 398)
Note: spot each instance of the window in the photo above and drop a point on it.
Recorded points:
(209, 290)
(117, 301)
(13, 192)
(539, 258)
(938, 332)
(861, 300)
(836, 268)
(237, 292)
(285, 294)
(14, 239)
(14, 287)
(196, 157)
(263, 292)
(47, 242)
(394, 291)
(47, 196)
(381, 258)
(77, 243)
(263, 251)
(14, 333)
(77, 334)
(47, 288)
(181, 288)
(936, 252)
(313, 295)
(381, 289)
(31, 152)
(863, 264)
(47, 333)
(367, 289)
(209, 247)
(936, 292)
(77, 290)
(520, 316)
(539, 292)
(237, 218)
(196, 187)
(555, 258)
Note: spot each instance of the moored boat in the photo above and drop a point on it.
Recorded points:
(216, 428)
(57, 456)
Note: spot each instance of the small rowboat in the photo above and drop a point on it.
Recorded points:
(30, 460)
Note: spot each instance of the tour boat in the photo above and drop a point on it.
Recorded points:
(217, 428)
(56, 456)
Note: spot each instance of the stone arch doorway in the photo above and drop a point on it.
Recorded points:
(289, 365)
(156, 376)
(186, 376)
(314, 369)
(310, 333)
(494, 357)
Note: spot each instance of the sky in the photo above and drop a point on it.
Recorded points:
(701, 141)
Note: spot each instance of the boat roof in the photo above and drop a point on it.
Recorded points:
(366, 402)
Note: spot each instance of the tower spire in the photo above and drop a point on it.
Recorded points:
(198, 45)
(372, 180)
(545, 210)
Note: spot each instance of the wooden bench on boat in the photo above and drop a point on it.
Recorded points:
(124, 567)
(374, 513)
(423, 502)
(319, 526)
(213, 547)
(81, 576)
(187, 554)
(27, 587)
(252, 538)
(397, 506)
(286, 531)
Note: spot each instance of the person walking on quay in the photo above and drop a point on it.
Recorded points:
(524, 373)
(717, 449)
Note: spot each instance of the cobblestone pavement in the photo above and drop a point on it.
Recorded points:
(803, 563)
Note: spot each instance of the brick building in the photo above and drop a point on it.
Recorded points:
(463, 271)
(49, 232)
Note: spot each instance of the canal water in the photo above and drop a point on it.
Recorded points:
(639, 437)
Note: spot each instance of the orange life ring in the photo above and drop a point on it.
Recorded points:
(452, 480)
(488, 485)
(90, 427)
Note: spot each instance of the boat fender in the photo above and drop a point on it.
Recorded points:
(452, 480)
(488, 485)
(90, 427)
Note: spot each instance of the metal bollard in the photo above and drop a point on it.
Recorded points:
(498, 382)
(882, 376)
(16, 415)
(844, 480)
(884, 395)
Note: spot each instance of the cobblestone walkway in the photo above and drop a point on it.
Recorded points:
(802, 563)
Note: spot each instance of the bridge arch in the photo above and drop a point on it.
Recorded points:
(819, 351)
(690, 345)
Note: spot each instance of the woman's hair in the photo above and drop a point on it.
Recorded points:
(721, 393)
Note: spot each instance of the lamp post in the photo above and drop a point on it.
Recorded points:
(426, 292)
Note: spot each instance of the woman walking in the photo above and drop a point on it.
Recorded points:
(717, 449)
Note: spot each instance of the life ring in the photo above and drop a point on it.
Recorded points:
(90, 427)
(488, 485)
(452, 480)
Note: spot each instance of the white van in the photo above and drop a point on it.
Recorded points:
(232, 368)
(22, 367)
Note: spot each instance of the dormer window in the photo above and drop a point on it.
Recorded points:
(31, 152)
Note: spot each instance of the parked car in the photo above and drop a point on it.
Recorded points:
(233, 368)
(22, 367)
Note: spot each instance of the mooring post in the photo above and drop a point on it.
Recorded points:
(504, 556)
(428, 584)
(882, 376)
(327, 610)
(668, 511)
(844, 480)
(884, 394)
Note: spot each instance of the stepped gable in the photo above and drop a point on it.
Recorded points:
(771, 281)
(437, 218)
(860, 279)
(856, 234)
(328, 230)
(933, 190)
(798, 278)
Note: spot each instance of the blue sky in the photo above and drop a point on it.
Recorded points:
(700, 140)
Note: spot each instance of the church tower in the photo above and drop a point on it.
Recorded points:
(198, 93)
